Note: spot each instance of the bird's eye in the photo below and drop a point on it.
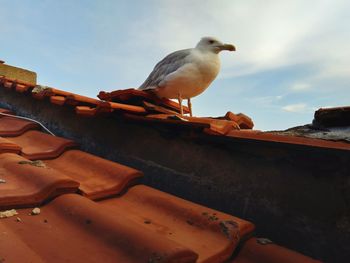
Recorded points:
(211, 41)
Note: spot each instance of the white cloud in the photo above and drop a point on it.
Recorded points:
(266, 101)
(297, 108)
(328, 107)
(300, 87)
(268, 34)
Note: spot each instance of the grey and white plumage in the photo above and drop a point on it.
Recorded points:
(186, 73)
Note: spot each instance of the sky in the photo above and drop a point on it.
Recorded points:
(292, 56)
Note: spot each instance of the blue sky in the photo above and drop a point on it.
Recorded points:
(292, 56)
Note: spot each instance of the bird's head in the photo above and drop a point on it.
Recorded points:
(214, 45)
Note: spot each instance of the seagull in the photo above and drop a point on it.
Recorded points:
(186, 73)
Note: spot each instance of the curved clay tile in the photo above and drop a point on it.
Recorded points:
(38, 145)
(213, 235)
(7, 146)
(99, 178)
(28, 183)
(73, 228)
(138, 97)
(6, 111)
(14, 127)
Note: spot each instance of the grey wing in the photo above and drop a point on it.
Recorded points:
(169, 64)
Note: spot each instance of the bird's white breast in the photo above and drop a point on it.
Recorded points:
(193, 77)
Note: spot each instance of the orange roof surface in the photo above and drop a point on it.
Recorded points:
(140, 225)
(95, 210)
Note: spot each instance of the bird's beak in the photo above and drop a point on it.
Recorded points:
(228, 47)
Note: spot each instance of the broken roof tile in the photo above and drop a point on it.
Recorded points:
(137, 97)
(99, 178)
(60, 97)
(72, 225)
(10, 126)
(222, 126)
(129, 100)
(241, 119)
(213, 235)
(30, 183)
(218, 126)
(126, 107)
(7, 146)
(101, 109)
(38, 145)
(157, 109)
(254, 251)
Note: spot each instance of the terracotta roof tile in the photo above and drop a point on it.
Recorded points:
(38, 145)
(102, 108)
(8, 84)
(241, 119)
(211, 234)
(138, 97)
(60, 97)
(21, 88)
(18, 85)
(6, 111)
(14, 127)
(58, 100)
(153, 108)
(29, 184)
(138, 102)
(9, 240)
(255, 252)
(74, 229)
(215, 125)
(99, 178)
(86, 111)
(7, 146)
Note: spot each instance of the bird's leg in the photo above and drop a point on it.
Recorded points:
(189, 104)
(180, 103)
